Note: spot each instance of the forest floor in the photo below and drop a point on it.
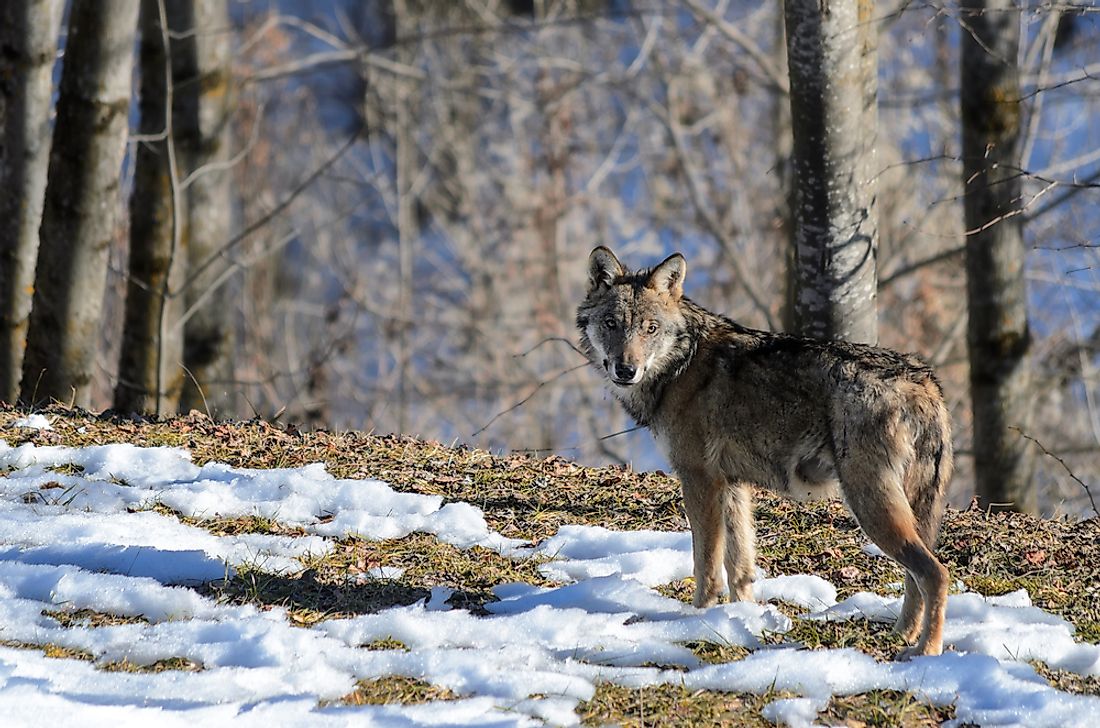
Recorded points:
(529, 499)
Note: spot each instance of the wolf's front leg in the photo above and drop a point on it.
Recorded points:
(704, 502)
(740, 542)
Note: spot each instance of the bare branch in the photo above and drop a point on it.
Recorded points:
(236, 240)
(917, 265)
(526, 399)
(1069, 472)
(779, 80)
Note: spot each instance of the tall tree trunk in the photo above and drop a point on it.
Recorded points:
(408, 228)
(149, 372)
(832, 58)
(201, 68)
(782, 145)
(80, 211)
(998, 337)
(28, 45)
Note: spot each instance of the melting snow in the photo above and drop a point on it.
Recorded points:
(34, 422)
(86, 537)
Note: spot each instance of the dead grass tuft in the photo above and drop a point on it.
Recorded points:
(886, 708)
(673, 705)
(396, 689)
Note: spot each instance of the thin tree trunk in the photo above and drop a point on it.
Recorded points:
(204, 98)
(28, 46)
(998, 337)
(832, 57)
(149, 373)
(408, 231)
(782, 144)
(80, 211)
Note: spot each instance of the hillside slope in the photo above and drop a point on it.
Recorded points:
(543, 549)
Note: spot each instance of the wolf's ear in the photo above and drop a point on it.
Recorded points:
(668, 277)
(603, 268)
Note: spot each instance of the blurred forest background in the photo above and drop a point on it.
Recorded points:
(376, 214)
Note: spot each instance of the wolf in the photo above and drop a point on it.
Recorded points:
(732, 407)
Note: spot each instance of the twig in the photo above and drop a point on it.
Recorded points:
(620, 432)
(524, 401)
(778, 79)
(547, 340)
(917, 265)
(1061, 462)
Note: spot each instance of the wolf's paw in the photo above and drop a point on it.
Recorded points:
(918, 651)
(704, 600)
(907, 631)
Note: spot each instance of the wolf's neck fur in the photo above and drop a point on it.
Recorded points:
(643, 400)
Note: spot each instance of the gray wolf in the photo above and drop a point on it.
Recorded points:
(733, 407)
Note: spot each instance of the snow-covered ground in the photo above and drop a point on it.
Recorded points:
(83, 538)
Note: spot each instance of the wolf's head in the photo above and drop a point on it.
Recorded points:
(631, 323)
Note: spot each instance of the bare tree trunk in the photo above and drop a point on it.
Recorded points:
(79, 215)
(149, 373)
(201, 69)
(28, 45)
(998, 336)
(832, 57)
(407, 226)
(782, 143)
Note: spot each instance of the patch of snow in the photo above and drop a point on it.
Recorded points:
(873, 550)
(794, 711)
(34, 422)
(121, 477)
(805, 590)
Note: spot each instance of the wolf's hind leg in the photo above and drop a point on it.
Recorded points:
(740, 542)
(931, 578)
(878, 501)
(908, 623)
(704, 498)
(925, 483)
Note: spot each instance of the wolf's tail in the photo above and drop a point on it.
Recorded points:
(932, 465)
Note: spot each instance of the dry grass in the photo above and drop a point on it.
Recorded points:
(887, 708)
(673, 705)
(332, 586)
(1069, 682)
(395, 689)
(60, 652)
(89, 618)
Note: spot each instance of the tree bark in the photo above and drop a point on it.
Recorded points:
(80, 211)
(201, 68)
(28, 46)
(832, 59)
(149, 372)
(998, 336)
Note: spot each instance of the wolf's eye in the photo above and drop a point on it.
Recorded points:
(610, 323)
(651, 328)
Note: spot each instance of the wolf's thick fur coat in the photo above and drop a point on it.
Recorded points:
(733, 407)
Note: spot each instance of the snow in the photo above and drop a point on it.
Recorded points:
(78, 532)
(34, 422)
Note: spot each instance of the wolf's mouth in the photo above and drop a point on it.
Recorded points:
(623, 382)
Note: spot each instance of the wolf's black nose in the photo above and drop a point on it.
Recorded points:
(624, 371)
